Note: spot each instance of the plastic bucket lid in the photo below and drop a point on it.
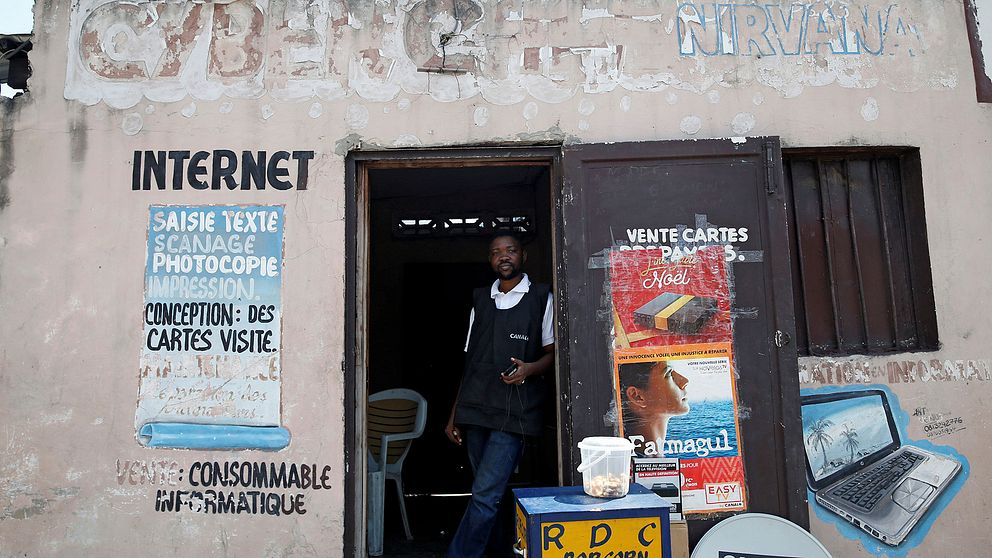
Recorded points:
(606, 443)
(603, 446)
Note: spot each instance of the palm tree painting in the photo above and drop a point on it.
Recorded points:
(850, 438)
(818, 437)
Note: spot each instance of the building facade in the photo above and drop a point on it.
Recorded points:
(215, 218)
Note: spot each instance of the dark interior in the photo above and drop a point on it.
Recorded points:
(424, 262)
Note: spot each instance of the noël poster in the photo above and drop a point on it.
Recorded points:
(658, 301)
(210, 372)
(680, 402)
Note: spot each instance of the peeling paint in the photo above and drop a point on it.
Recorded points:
(57, 418)
(407, 140)
(121, 51)
(480, 116)
(554, 134)
(530, 111)
(347, 143)
(357, 117)
(691, 124)
(742, 123)
(586, 107)
(131, 123)
(315, 110)
(869, 110)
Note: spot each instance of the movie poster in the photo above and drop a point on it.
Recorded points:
(674, 378)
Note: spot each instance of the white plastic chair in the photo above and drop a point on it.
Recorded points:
(395, 418)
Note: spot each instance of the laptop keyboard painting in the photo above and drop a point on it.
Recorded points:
(859, 469)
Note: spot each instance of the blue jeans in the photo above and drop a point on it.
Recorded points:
(493, 456)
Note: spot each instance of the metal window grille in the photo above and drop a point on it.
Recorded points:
(463, 224)
(861, 267)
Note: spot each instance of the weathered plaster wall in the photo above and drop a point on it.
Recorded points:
(330, 76)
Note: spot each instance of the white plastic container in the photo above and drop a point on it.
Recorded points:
(605, 466)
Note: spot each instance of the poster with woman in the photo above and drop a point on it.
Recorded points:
(681, 402)
(675, 389)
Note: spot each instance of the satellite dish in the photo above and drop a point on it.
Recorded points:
(758, 535)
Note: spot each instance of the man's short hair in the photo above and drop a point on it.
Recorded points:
(505, 234)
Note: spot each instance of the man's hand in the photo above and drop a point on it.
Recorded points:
(524, 369)
(527, 369)
(453, 433)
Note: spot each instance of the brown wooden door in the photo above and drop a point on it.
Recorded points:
(608, 189)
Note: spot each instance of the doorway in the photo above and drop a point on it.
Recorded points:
(409, 227)
(426, 219)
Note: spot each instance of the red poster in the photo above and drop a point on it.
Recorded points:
(657, 302)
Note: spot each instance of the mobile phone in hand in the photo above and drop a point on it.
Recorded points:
(509, 370)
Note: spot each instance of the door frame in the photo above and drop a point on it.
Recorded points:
(357, 245)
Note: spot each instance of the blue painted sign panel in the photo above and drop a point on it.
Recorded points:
(211, 321)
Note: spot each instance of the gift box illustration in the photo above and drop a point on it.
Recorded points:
(677, 313)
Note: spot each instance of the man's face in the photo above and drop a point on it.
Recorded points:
(506, 256)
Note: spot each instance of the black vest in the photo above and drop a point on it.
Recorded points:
(497, 335)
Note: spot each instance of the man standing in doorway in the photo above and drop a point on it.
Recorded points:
(510, 346)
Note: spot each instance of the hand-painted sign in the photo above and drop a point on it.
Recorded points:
(123, 50)
(220, 169)
(210, 367)
(570, 539)
(567, 523)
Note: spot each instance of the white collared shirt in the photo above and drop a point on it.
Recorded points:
(505, 301)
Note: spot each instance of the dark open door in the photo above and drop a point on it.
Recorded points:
(609, 190)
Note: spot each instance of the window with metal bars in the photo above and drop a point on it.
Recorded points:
(861, 266)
